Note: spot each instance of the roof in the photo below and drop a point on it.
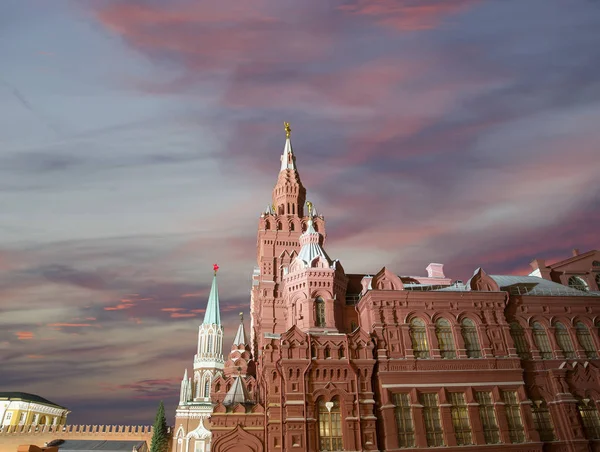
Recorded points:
(288, 159)
(237, 393)
(311, 249)
(81, 445)
(212, 315)
(572, 259)
(27, 397)
(526, 285)
(240, 337)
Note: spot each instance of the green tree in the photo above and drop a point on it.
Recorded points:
(160, 431)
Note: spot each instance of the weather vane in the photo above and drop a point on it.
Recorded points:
(288, 129)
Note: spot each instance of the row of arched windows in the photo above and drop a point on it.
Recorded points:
(563, 336)
(445, 338)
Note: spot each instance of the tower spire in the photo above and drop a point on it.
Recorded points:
(240, 337)
(212, 316)
(288, 159)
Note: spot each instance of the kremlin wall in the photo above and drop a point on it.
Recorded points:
(334, 361)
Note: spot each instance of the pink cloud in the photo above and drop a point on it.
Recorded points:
(408, 15)
(172, 309)
(70, 325)
(177, 315)
(119, 307)
(24, 335)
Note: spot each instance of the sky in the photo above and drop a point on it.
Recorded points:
(140, 141)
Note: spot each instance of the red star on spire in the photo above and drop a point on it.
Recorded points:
(215, 268)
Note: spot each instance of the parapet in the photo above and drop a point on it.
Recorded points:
(76, 430)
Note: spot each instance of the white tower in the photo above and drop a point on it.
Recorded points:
(191, 434)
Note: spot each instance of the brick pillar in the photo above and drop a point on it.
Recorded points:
(558, 354)
(419, 425)
(459, 341)
(434, 347)
(447, 426)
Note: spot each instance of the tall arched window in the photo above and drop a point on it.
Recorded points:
(564, 340)
(589, 418)
(443, 332)
(418, 335)
(518, 337)
(542, 421)
(207, 387)
(469, 334)
(320, 311)
(585, 340)
(541, 340)
(209, 345)
(577, 282)
(330, 425)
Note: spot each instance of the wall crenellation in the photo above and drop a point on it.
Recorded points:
(77, 430)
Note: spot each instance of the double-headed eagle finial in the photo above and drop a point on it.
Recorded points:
(287, 128)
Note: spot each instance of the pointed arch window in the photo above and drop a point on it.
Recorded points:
(443, 332)
(320, 312)
(471, 339)
(542, 420)
(564, 340)
(209, 345)
(541, 340)
(585, 340)
(330, 425)
(590, 418)
(207, 387)
(418, 335)
(518, 337)
(577, 282)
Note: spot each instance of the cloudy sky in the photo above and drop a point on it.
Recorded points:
(140, 140)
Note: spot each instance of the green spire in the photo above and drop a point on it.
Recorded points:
(212, 316)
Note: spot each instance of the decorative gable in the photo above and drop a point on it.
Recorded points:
(386, 280)
(482, 282)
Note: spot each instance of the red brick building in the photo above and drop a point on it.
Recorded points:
(353, 362)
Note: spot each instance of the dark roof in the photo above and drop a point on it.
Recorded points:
(81, 445)
(25, 396)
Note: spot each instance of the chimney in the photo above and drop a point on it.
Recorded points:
(575, 252)
(435, 270)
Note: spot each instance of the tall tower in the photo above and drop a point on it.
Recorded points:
(195, 403)
(278, 243)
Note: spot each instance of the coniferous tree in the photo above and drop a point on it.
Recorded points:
(160, 431)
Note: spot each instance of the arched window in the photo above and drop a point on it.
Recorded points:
(564, 340)
(418, 335)
(589, 418)
(330, 425)
(443, 332)
(585, 340)
(542, 421)
(327, 352)
(518, 337)
(320, 311)
(598, 280)
(577, 282)
(207, 387)
(469, 334)
(209, 344)
(541, 340)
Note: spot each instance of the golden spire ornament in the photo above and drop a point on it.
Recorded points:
(287, 128)
(310, 206)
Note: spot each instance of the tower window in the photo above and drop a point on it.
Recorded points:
(330, 425)
(518, 337)
(577, 282)
(443, 332)
(487, 415)
(585, 340)
(541, 340)
(542, 420)
(431, 418)
(564, 340)
(418, 337)
(469, 334)
(404, 421)
(320, 312)
(516, 431)
(590, 418)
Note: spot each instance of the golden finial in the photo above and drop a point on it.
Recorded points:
(241, 316)
(287, 128)
(310, 206)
